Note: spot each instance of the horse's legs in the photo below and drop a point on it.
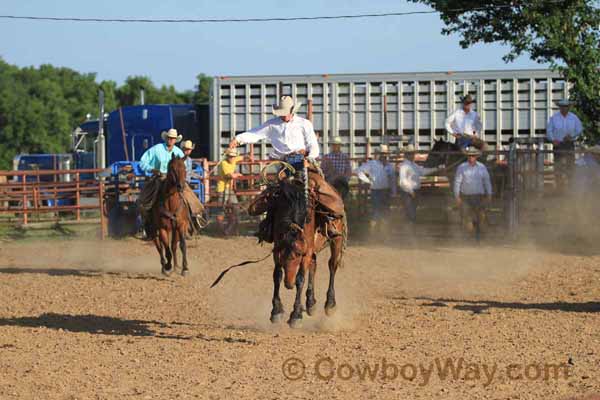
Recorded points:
(164, 240)
(277, 311)
(174, 240)
(159, 248)
(183, 247)
(296, 314)
(310, 289)
(335, 260)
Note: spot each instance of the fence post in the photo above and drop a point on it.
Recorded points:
(512, 198)
(206, 180)
(103, 229)
(77, 198)
(24, 188)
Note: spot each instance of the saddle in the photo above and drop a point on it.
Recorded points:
(329, 205)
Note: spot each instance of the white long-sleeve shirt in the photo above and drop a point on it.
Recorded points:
(472, 179)
(375, 173)
(285, 137)
(460, 123)
(559, 127)
(410, 176)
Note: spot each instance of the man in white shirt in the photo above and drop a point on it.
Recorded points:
(472, 189)
(465, 125)
(410, 182)
(380, 176)
(293, 140)
(563, 127)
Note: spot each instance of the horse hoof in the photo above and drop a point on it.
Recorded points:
(167, 271)
(295, 323)
(329, 311)
(311, 310)
(277, 318)
(185, 272)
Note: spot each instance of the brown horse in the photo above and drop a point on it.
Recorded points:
(297, 240)
(171, 218)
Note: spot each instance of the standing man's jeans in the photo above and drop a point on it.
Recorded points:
(410, 206)
(473, 210)
(380, 203)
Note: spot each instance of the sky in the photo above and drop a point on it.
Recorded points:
(176, 53)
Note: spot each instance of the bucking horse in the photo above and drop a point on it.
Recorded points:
(297, 225)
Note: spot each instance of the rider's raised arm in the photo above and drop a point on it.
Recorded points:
(254, 135)
(312, 145)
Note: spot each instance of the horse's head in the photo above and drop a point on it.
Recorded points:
(176, 173)
(292, 230)
(439, 153)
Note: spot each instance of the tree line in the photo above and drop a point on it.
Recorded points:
(40, 107)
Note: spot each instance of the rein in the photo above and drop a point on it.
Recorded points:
(222, 274)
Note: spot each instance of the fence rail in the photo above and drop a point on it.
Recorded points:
(33, 193)
(28, 194)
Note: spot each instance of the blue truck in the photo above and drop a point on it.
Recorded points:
(129, 132)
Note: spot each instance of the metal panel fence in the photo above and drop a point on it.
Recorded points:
(369, 109)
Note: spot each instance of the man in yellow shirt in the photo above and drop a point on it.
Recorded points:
(227, 173)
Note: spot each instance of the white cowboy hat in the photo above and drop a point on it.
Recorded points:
(188, 145)
(171, 134)
(473, 151)
(286, 106)
(336, 140)
(383, 149)
(564, 103)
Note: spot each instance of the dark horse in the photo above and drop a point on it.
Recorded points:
(297, 240)
(171, 221)
(451, 155)
(445, 153)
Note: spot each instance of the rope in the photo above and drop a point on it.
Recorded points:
(222, 274)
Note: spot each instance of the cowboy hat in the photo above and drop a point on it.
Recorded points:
(564, 103)
(286, 106)
(468, 99)
(188, 145)
(473, 151)
(383, 149)
(410, 148)
(171, 134)
(336, 140)
(231, 153)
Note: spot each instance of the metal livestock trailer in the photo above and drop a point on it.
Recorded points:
(369, 109)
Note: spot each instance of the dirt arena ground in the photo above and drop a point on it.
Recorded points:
(95, 320)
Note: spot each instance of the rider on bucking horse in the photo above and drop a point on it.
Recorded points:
(293, 141)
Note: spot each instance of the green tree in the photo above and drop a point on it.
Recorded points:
(565, 34)
(39, 107)
(202, 93)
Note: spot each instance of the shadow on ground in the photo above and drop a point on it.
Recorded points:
(482, 306)
(104, 325)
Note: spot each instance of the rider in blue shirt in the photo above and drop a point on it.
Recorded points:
(156, 161)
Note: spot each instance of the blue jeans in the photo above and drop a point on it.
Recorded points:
(463, 142)
(410, 206)
(380, 203)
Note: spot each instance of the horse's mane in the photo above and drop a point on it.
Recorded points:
(171, 170)
(291, 209)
